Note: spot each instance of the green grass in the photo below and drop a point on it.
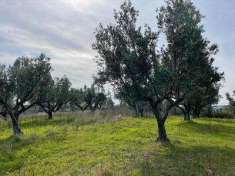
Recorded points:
(87, 146)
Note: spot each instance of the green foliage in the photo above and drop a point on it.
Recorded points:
(72, 145)
(20, 84)
(91, 98)
(139, 71)
(54, 95)
(128, 60)
(190, 55)
(222, 115)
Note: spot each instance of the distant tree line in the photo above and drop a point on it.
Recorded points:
(29, 83)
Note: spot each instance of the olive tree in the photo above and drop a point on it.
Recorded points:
(129, 60)
(95, 98)
(20, 84)
(133, 103)
(199, 99)
(77, 97)
(54, 95)
(91, 98)
(190, 54)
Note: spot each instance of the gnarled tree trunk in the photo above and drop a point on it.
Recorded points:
(15, 125)
(161, 119)
(162, 135)
(197, 112)
(187, 112)
(187, 116)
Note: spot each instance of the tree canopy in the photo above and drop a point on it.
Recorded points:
(190, 54)
(20, 84)
(91, 98)
(54, 95)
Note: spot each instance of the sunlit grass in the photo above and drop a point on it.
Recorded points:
(76, 145)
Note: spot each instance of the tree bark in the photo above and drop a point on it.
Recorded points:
(187, 116)
(186, 113)
(197, 112)
(162, 136)
(196, 115)
(141, 112)
(15, 125)
(50, 115)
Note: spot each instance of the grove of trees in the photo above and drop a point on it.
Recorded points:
(91, 98)
(144, 74)
(29, 83)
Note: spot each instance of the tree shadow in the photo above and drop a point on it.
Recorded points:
(219, 130)
(190, 161)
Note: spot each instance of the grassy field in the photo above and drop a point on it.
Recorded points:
(74, 145)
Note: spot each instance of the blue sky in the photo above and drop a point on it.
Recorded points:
(64, 30)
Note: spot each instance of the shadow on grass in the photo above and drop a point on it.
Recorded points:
(176, 160)
(11, 160)
(216, 129)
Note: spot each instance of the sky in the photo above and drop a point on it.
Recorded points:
(64, 31)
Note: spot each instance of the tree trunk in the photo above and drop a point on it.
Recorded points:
(141, 112)
(187, 116)
(136, 110)
(209, 111)
(15, 125)
(185, 113)
(162, 136)
(196, 114)
(50, 115)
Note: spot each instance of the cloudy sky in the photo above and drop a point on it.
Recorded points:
(64, 30)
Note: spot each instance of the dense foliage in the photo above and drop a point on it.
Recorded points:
(130, 60)
(54, 95)
(20, 84)
(91, 98)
